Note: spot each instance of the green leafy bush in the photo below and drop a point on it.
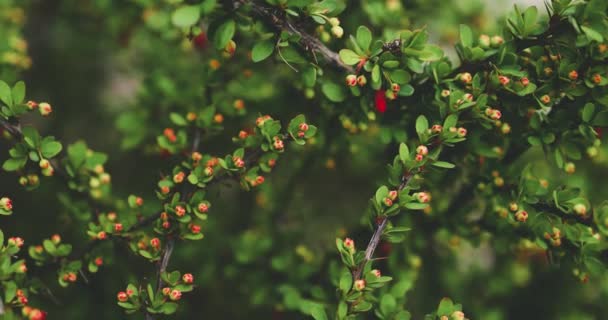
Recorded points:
(470, 161)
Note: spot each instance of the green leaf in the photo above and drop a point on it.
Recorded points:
(14, 164)
(364, 37)
(416, 205)
(168, 308)
(422, 125)
(18, 92)
(5, 94)
(318, 312)
(186, 16)
(443, 164)
(50, 149)
(223, 34)
(400, 76)
(529, 17)
(262, 50)
(592, 34)
(346, 282)
(31, 137)
(404, 152)
(466, 36)
(445, 308)
(178, 119)
(381, 193)
(349, 57)
(588, 112)
(333, 92)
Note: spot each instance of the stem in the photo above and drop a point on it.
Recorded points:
(277, 19)
(375, 240)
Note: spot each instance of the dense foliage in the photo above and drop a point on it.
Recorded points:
(484, 164)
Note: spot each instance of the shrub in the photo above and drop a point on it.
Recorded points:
(482, 166)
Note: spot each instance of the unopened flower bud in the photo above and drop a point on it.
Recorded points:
(45, 109)
(496, 41)
(569, 168)
(466, 78)
(422, 149)
(188, 278)
(580, 209)
(521, 216)
(361, 80)
(351, 80)
(359, 285)
(349, 244)
(337, 31)
(175, 295)
(122, 296)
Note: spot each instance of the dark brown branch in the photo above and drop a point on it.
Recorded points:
(278, 20)
(377, 236)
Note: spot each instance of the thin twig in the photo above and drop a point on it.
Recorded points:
(277, 19)
(377, 236)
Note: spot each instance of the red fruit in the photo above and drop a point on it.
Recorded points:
(155, 243)
(201, 41)
(118, 227)
(380, 100)
(195, 228)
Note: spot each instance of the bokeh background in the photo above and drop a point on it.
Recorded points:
(112, 79)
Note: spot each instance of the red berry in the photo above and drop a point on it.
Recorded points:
(195, 228)
(201, 41)
(380, 101)
(155, 243)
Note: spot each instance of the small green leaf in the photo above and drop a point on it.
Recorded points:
(5, 94)
(186, 16)
(223, 34)
(349, 57)
(18, 92)
(422, 125)
(588, 112)
(466, 36)
(333, 92)
(404, 152)
(14, 164)
(178, 119)
(262, 50)
(318, 312)
(50, 149)
(364, 37)
(416, 205)
(592, 34)
(443, 164)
